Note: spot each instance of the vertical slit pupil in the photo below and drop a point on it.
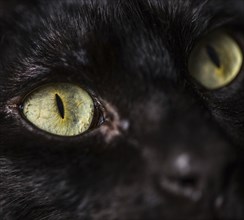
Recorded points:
(213, 55)
(60, 105)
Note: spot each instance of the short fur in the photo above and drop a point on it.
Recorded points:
(132, 56)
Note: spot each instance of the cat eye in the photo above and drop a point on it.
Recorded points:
(216, 60)
(61, 109)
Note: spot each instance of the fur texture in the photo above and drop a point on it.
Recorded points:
(169, 148)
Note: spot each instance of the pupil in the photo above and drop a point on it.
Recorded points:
(213, 55)
(60, 105)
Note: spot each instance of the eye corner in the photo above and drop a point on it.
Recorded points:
(99, 113)
(216, 60)
(42, 110)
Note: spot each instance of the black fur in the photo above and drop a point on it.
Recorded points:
(132, 56)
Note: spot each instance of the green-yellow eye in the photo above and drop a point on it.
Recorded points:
(62, 109)
(216, 60)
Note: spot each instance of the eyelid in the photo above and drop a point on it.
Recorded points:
(216, 60)
(97, 120)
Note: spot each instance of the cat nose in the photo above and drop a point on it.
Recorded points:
(186, 176)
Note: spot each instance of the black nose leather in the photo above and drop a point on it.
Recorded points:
(185, 175)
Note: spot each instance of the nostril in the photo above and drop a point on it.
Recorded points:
(185, 182)
(182, 176)
(184, 186)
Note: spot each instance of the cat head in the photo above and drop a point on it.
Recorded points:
(161, 142)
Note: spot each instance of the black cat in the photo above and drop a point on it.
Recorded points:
(163, 129)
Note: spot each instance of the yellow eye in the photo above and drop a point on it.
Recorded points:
(216, 60)
(62, 109)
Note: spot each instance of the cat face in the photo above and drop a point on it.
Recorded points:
(160, 136)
